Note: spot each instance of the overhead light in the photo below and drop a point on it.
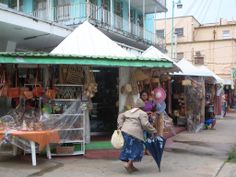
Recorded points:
(18, 28)
(95, 70)
(179, 4)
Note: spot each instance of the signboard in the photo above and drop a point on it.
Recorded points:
(233, 73)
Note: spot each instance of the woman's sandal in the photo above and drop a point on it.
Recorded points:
(134, 169)
(129, 169)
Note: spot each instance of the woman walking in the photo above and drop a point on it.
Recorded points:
(132, 124)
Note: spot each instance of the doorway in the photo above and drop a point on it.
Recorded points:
(103, 117)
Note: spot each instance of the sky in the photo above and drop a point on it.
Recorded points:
(205, 11)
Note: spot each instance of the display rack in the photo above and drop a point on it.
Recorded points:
(74, 142)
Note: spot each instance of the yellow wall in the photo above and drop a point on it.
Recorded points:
(219, 53)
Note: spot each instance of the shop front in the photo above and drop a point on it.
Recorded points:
(59, 93)
(194, 95)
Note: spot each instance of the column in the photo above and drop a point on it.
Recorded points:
(111, 14)
(129, 18)
(11, 46)
(144, 30)
(88, 9)
(18, 5)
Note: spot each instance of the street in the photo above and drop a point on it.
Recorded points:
(202, 154)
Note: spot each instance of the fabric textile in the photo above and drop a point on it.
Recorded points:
(133, 149)
(41, 137)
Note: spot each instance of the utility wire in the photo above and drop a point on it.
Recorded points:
(200, 9)
(207, 9)
(218, 11)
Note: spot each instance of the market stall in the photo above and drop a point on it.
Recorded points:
(190, 95)
(54, 91)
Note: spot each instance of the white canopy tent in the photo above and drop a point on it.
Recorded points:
(87, 40)
(153, 52)
(216, 77)
(188, 69)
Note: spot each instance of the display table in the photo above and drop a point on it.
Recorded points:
(42, 138)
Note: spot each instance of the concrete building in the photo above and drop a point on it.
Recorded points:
(28, 25)
(213, 45)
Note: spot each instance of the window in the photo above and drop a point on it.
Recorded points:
(180, 55)
(62, 9)
(226, 34)
(160, 33)
(40, 8)
(13, 4)
(179, 32)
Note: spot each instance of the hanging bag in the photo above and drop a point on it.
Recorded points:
(3, 82)
(14, 92)
(38, 90)
(117, 139)
(51, 91)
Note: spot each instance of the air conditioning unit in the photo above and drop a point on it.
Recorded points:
(199, 60)
(198, 53)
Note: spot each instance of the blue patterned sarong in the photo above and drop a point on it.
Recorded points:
(133, 149)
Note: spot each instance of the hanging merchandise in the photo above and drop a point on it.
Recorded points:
(14, 91)
(134, 84)
(51, 90)
(160, 107)
(139, 75)
(38, 90)
(159, 95)
(3, 81)
(75, 74)
(90, 85)
(129, 102)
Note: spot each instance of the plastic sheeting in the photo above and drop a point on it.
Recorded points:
(69, 126)
(195, 104)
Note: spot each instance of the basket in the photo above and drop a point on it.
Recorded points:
(13, 92)
(65, 149)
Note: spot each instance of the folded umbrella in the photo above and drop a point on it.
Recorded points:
(156, 147)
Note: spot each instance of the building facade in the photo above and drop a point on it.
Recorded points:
(213, 45)
(130, 23)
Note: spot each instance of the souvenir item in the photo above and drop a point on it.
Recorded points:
(160, 107)
(159, 95)
(139, 75)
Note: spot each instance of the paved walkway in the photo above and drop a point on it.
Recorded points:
(190, 155)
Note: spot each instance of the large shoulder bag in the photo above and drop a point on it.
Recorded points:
(117, 139)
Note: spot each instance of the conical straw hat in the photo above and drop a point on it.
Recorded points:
(139, 75)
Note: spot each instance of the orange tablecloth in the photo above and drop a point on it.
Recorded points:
(1, 135)
(41, 137)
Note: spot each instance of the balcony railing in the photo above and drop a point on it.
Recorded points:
(77, 13)
(162, 2)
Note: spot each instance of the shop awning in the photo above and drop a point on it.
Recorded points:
(46, 58)
(153, 52)
(216, 77)
(188, 69)
(87, 40)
